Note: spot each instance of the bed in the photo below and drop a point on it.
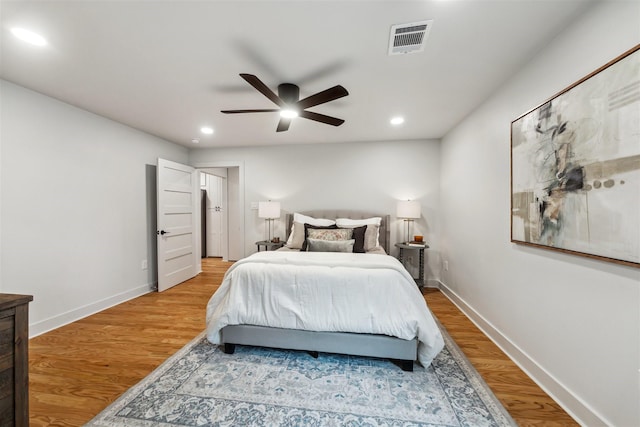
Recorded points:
(363, 304)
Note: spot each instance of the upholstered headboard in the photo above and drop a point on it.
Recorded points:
(385, 232)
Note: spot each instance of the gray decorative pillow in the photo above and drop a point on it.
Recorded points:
(330, 234)
(317, 245)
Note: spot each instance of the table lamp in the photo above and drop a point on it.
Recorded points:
(408, 210)
(269, 211)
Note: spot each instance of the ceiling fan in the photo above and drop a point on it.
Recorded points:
(291, 106)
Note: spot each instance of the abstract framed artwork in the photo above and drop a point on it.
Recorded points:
(575, 167)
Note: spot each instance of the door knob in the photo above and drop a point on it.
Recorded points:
(162, 232)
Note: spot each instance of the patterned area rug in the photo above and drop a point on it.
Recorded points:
(202, 386)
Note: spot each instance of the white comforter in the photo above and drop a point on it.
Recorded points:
(325, 291)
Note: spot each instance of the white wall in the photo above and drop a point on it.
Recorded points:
(77, 195)
(234, 208)
(369, 176)
(572, 322)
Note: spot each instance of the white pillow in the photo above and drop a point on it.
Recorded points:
(371, 235)
(321, 222)
(296, 238)
(353, 223)
(303, 219)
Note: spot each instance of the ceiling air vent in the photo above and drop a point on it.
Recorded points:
(409, 38)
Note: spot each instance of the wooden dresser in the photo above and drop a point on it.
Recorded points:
(14, 360)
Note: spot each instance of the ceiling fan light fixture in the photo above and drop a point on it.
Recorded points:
(29, 36)
(291, 106)
(288, 113)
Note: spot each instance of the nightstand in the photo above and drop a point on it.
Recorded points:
(414, 247)
(269, 246)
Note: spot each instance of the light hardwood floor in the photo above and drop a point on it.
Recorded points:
(79, 369)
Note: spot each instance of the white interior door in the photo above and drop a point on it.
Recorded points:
(215, 215)
(177, 201)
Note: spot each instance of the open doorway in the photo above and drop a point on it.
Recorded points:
(213, 218)
(230, 213)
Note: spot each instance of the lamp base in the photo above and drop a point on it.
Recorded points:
(408, 221)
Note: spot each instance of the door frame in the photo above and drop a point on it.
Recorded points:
(241, 203)
(225, 202)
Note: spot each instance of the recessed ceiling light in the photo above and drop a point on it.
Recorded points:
(397, 121)
(288, 113)
(195, 141)
(29, 36)
(206, 130)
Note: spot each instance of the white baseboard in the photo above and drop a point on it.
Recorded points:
(39, 328)
(574, 406)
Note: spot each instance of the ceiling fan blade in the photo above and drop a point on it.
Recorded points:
(283, 124)
(271, 110)
(263, 89)
(322, 97)
(321, 118)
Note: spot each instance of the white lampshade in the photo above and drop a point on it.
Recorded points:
(409, 209)
(269, 210)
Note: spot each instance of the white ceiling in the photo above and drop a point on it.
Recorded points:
(169, 67)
